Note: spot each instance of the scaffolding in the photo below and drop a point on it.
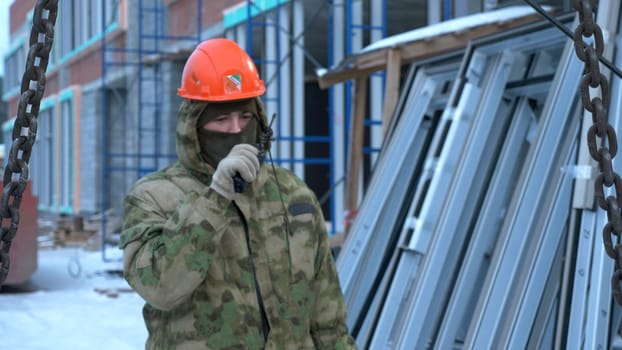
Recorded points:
(134, 67)
(356, 31)
(281, 46)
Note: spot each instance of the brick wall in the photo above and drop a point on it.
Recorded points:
(19, 10)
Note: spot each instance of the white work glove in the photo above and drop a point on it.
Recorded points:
(241, 159)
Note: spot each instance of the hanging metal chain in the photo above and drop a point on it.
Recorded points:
(25, 126)
(601, 136)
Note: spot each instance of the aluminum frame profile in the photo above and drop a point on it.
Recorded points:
(370, 238)
(616, 120)
(394, 320)
(444, 77)
(356, 258)
(421, 187)
(585, 246)
(593, 313)
(462, 301)
(360, 258)
(511, 300)
(594, 320)
(538, 262)
(543, 334)
(590, 311)
(496, 306)
(422, 297)
(597, 326)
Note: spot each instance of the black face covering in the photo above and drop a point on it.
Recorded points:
(216, 145)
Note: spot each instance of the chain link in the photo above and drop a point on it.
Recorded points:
(25, 127)
(601, 136)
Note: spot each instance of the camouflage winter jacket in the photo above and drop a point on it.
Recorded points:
(220, 274)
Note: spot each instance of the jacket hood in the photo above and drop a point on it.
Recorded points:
(187, 139)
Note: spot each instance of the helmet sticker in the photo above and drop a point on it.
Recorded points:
(233, 84)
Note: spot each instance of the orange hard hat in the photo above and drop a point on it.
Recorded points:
(219, 70)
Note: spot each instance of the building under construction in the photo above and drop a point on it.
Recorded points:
(448, 141)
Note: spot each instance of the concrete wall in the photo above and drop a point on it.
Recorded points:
(90, 151)
(143, 123)
(170, 106)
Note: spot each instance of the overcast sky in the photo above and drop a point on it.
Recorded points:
(4, 30)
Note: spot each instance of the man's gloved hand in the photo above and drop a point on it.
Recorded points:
(241, 159)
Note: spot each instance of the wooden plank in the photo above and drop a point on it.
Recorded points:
(368, 62)
(342, 76)
(392, 87)
(357, 131)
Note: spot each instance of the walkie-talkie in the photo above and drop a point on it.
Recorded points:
(239, 185)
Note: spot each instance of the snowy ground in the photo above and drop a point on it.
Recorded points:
(74, 300)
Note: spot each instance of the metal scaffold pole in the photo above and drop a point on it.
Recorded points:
(278, 33)
(135, 129)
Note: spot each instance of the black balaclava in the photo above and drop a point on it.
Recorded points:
(216, 145)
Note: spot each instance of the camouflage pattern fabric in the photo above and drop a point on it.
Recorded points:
(200, 261)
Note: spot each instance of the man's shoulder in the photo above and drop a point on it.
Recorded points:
(163, 175)
(291, 184)
(284, 174)
(173, 178)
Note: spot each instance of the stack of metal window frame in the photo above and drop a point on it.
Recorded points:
(470, 238)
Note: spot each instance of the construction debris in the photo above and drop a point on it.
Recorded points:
(113, 292)
(69, 231)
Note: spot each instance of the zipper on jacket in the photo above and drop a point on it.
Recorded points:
(265, 326)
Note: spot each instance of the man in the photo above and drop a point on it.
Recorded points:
(221, 269)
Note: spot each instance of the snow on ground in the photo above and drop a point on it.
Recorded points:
(75, 300)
